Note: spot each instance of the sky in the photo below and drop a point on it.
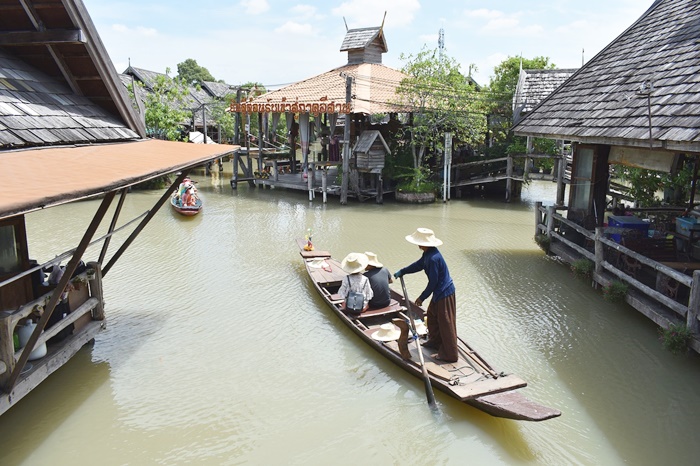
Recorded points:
(279, 42)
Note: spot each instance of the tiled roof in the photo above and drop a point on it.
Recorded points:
(606, 100)
(374, 89)
(38, 110)
(218, 90)
(534, 86)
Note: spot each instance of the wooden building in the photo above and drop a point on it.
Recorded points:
(636, 103)
(350, 93)
(67, 132)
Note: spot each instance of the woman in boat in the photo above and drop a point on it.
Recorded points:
(354, 264)
(379, 279)
(442, 311)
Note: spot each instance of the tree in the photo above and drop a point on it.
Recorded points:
(501, 89)
(441, 100)
(165, 103)
(191, 73)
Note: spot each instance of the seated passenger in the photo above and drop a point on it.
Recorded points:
(379, 279)
(354, 264)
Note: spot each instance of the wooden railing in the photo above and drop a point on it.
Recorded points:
(683, 298)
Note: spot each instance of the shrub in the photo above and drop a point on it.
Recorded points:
(615, 291)
(675, 338)
(582, 268)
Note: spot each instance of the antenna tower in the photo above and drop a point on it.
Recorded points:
(441, 42)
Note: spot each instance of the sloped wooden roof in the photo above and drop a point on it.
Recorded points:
(362, 38)
(218, 90)
(534, 86)
(606, 100)
(367, 138)
(58, 38)
(374, 91)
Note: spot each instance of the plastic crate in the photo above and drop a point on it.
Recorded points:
(684, 225)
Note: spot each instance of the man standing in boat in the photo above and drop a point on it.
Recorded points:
(442, 311)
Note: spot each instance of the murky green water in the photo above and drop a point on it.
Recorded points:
(218, 350)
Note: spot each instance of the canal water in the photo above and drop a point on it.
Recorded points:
(219, 351)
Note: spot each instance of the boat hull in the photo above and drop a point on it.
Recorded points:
(186, 210)
(471, 380)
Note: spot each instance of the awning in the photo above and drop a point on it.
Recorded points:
(39, 178)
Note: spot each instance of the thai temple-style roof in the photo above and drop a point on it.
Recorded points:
(648, 76)
(373, 84)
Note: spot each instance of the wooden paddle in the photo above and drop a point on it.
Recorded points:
(426, 378)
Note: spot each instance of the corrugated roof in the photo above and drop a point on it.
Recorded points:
(606, 100)
(374, 90)
(62, 174)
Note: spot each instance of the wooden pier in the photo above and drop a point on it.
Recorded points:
(666, 291)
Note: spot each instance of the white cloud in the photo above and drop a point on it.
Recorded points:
(304, 11)
(255, 7)
(500, 23)
(292, 27)
(368, 13)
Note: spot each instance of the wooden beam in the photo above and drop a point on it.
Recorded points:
(55, 36)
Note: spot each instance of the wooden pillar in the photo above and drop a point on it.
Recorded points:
(561, 170)
(538, 217)
(346, 144)
(599, 257)
(96, 290)
(236, 163)
(7, 350)
(509, 177)
(310, 179)
(550, 220)
(276, 174)
(324, 184)
(694, 303)
(380, 189)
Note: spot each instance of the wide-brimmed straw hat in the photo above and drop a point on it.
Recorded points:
(372, 260)
(424, 237)
(354, 262)
(387, 332)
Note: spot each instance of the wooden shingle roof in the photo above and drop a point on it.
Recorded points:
(51, 50)
(361, 38)
(534, 86)
(655, 61)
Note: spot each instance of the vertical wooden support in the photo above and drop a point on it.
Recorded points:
(7, 350)
(275, 169)
(380, 189)
(236, 162)
(509, 178)
(324, 184)
(560, 176)
(550, 220)
(310, 179)
(346, 144)
(96, 291)
(694, 303)
(538, 217)
(599, 257)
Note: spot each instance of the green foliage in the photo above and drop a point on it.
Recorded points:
(191, 73)
(442, 100)
(582, 268)
(165, 103)
(416, 180)
(615, 291)
(501, 89)
(675, 338)
(225, 120)
(644, 185)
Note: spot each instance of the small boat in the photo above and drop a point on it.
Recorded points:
(471, 379)
(185, 200)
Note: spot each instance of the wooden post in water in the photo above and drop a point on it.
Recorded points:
(346, 144)
(550, 220)
(236, 162)
(380, 189)
(310, 178)
(324, 184)
(96, 291)
(694, 303)
(538, 217)
(560, 176)
(509, 177)
(598, 250)
(7, 350)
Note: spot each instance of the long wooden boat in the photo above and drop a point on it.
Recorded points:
(471, 379)
(185, 210)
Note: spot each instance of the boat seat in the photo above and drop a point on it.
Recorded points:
(393, 306)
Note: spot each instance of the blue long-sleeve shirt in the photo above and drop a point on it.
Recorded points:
(440, 283)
